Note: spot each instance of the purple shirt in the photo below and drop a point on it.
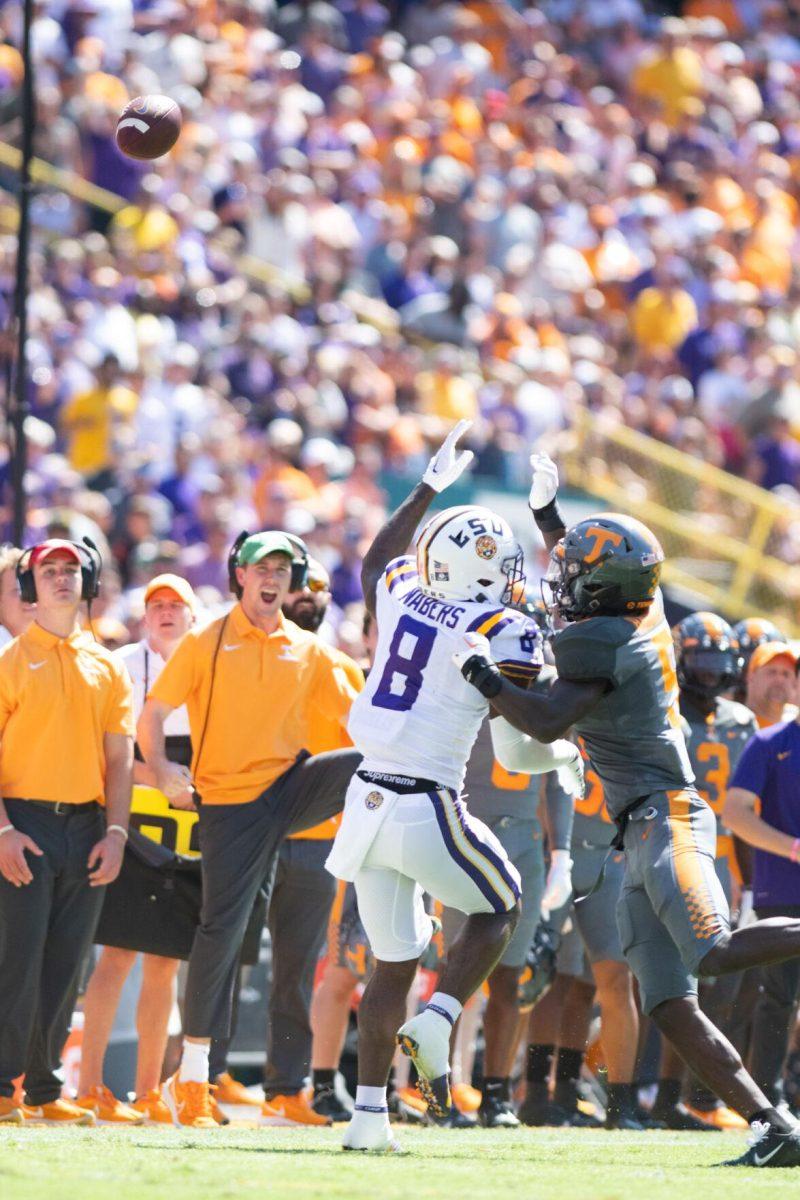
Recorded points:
(781, 459)
(770, 768)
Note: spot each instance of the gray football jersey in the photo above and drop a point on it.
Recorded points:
(633, 735)
(715, 746)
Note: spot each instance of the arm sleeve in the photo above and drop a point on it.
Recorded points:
(559, 810)
(752, 769)
(177, 680)
(119, 716)
(518, 751)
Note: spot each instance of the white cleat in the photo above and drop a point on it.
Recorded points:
(370, 1131)
(426, 1041)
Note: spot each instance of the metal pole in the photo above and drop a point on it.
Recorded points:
(19, 402)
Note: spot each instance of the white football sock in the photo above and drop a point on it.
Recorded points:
(449, 1007)
(370, 1099)
(194, 1062)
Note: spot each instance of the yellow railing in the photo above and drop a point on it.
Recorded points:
(722, 535)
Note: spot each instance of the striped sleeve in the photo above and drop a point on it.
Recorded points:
(399, 570)
(517, 649)
(491, 623)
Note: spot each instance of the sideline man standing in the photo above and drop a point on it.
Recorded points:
(762, 809)
(248, 680)
(302, 896)
(132, 919)
(67, 742)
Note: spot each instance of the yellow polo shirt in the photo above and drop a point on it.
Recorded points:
(324, 734)
(265, 685)
(58, 698)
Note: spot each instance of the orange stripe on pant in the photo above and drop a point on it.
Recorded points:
(335, 923)
(688, 864)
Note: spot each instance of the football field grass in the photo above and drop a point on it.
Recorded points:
(553, 1164)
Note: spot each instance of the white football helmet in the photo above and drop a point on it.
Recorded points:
(469, 553)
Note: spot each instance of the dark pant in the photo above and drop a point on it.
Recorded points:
(238, 843)
(773, 1016)
(46, 929)
(301, 901)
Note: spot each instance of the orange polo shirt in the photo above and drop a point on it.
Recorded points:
(324, 734)
(58, 698)
(264, 687)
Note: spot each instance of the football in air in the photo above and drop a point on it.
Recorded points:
(148, 127)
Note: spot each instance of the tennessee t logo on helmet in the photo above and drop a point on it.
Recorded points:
(602, 538)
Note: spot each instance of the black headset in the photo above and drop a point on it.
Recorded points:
(299, 564)
(91, 567)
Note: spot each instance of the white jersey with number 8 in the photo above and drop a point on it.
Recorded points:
(417, 715)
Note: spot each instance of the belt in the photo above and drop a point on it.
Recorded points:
(622, 819)
(403, 785)
(621, 822)
(59, 807)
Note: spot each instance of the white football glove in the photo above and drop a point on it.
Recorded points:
(446, 466)
(570, 777)
(544, 482)
(558, 888)
(472, 643)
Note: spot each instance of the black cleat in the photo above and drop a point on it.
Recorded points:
(455, 1119)
(497, 1113)
(627, 1121)
(327, 1104)
(769, 1147)
(537, 1111)
(678, 1117)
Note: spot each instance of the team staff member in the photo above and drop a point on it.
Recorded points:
(302, 896)
(66, 724)
(762, 809)
(771, 684)
(130, 922)
(248, 681)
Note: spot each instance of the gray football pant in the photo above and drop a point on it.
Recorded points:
(300, 906)
(238, 844)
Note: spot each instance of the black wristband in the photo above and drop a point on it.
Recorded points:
(549, 518)
(482, 674)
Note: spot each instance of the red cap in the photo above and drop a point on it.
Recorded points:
(45, 549)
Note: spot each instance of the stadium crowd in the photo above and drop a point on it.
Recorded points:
(502, 211)
(381, 219)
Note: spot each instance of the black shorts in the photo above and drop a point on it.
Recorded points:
(156, 910)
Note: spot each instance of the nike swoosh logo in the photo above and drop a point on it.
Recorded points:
(226, 646)
(759, 1162)
(35, 666)
(785, 754)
